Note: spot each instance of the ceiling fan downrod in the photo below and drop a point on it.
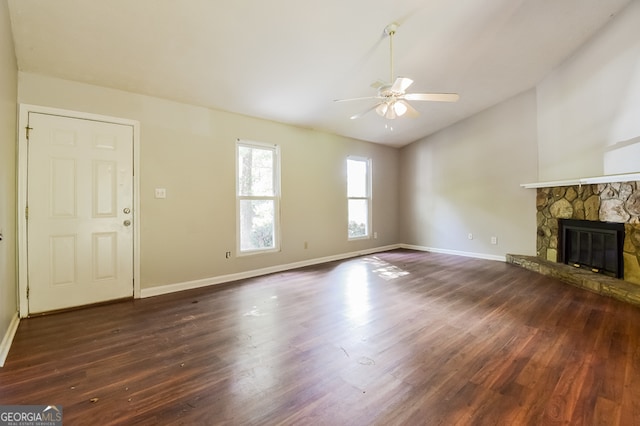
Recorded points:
(390, 30)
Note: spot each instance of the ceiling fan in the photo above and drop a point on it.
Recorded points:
(393, 97)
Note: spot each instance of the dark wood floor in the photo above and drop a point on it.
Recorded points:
(400, 337)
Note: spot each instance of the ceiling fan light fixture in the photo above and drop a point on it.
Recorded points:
(382, 109)
(391, 113)
(399, 108)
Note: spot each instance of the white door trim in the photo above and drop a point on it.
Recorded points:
(23, 121)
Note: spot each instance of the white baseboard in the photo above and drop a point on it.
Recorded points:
(8, 338)
(189, 285)
(456, 252)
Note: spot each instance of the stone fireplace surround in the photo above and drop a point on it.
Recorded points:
(608, 202)
(592, 199)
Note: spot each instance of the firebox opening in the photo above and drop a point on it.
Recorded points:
(592, 245)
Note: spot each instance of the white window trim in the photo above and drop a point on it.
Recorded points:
(369, 198)
(276, 197)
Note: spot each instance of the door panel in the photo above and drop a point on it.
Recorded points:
(80, 199)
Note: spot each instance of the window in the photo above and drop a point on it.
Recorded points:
(258, 197)
(359, 196)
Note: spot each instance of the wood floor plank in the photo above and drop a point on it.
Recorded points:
(400, 337)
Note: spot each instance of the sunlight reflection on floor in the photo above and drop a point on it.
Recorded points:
(385, 269)
(357, 294)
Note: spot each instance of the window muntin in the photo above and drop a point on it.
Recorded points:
(258, 197)
(359, 197)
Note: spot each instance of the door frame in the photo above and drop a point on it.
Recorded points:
(23, 120)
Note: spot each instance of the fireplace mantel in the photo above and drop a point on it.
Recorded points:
(629, 177)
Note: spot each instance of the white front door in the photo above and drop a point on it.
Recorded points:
(80, 212)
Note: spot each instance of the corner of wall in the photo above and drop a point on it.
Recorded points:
(8, 131)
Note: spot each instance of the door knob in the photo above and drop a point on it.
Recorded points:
(126, 210)
(126, 223)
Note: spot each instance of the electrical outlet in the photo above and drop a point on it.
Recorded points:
(161, 193)
(375, 235)
(494, 240)
(470, 236)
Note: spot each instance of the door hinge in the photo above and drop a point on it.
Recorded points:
(27, 292)
(26, 213)
(27, 129)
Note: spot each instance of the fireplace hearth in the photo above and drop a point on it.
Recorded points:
(593, 245)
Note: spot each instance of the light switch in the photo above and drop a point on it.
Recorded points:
(161, 193)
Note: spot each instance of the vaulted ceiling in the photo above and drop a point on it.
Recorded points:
(287, 60)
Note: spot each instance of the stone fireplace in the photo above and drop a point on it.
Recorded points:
(617, 202)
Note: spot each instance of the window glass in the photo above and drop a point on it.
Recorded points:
(357, 182)
(255, 171)
(359, 200)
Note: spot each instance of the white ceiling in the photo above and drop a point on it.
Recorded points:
(287, 60)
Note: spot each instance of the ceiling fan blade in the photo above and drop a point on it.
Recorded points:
(360, 114)
(356, 99)
(378, 84)
(437, 97)
(401, 84)
(411, 111)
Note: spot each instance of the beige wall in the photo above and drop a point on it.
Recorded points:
(465, 179)
(189, 151)
(8, 88)
(589, 107)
